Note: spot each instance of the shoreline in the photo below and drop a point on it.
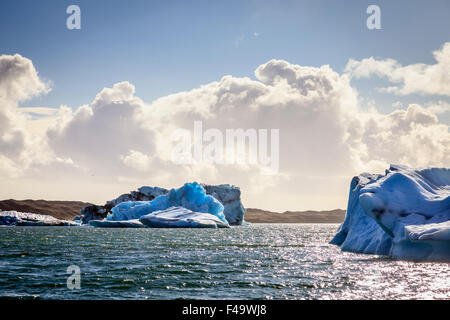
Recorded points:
(68, 210)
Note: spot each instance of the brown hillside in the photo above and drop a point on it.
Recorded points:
(262, 216)
(65, 210)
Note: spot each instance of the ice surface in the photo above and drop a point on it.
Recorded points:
(191, 196)
(116, 224)
(430, 232)
(403, 214)
(179, 217)
(360, 233)
(230, 197)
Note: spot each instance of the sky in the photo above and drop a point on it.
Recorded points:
(88, 114)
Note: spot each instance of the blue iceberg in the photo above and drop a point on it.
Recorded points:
(191, 196)
(228, 195)
(404, 214)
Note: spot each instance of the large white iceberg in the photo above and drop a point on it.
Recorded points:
(404, 214)
(191, 196)
(179, 217)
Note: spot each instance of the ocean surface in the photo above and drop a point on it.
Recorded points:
(260, 261)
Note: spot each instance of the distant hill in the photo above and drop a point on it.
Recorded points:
(262, 216)
(65, 210)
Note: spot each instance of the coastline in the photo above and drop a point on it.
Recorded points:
(70, 209)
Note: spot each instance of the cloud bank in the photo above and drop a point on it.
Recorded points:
(414, 78)
(19, 81)
(118, 142)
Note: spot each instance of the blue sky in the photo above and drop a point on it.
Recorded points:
(164, 47)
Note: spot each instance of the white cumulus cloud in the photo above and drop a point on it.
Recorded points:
(420, 78)
(19, 149)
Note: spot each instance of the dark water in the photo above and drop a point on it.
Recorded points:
(262, 261)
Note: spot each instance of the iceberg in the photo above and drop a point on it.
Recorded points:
(404, 214)
(179, 217)
(15, 218)
(429, 232)
(190, 196)
(228, 195)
